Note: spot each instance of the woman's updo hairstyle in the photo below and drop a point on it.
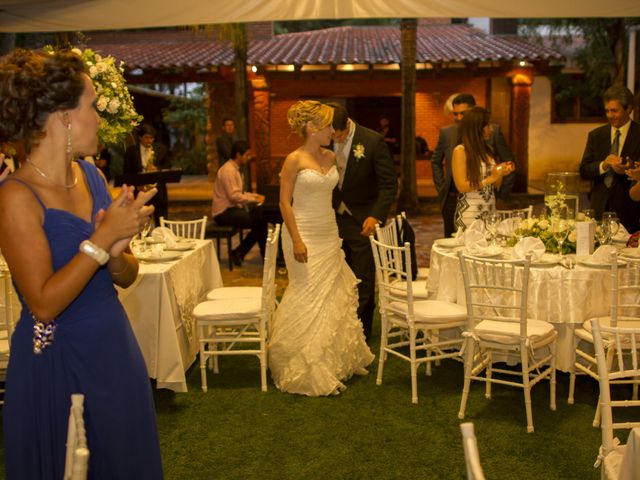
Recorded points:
(34, 84)
(304, 111)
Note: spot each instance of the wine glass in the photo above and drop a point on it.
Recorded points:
(518, 221)
(491, 221)
(146, 228)
(560, 230)
(603, 232)
(612, 221)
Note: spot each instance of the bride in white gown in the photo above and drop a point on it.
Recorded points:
(316, 340)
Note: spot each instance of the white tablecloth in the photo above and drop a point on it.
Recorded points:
(630, 466)
(159, 306)
(563, 297)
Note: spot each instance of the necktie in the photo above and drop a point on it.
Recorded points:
(341, 162)
(615, 147)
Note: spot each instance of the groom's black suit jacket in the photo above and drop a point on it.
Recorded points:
(616, 198)
(369, 186)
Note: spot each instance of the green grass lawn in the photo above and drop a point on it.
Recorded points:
(234, 431)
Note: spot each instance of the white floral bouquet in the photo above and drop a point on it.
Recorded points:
(542, 228)
(115, 107)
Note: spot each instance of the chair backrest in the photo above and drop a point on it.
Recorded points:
(77, 458)
(496, 290)
(622, 364)
(269, 270)
(194, 229)
(394, 285)
(508, 213)
(471, 455)
(7, 301)
(389, 233)
(625, 291)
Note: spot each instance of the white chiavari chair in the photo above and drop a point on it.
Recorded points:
(624, 312)
(76, 464)
(402, 317)
(233, 326)
(192, 229)
(496, 293)
(471, 454)
(617, 363)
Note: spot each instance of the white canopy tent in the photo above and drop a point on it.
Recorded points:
(75, 15)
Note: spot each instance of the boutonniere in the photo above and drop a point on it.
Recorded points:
(358, 151)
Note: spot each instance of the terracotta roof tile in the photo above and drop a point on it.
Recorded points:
(343, 45)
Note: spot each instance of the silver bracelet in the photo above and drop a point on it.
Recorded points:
(91, 249)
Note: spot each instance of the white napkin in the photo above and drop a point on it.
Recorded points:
(475, 243)
(602, 254)
(622, 235)
(529, 245)
(506, 227)
(160, 234)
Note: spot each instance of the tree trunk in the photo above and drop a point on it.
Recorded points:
(408, 199)
(240, 47)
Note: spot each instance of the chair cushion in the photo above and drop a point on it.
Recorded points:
(229, 309)
(419, 289)
(423, 273)
(432, 311)
(224, 293)
(606, 322)
(509, 332)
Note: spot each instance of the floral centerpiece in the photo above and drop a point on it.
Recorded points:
(542, 228)
(114, 103)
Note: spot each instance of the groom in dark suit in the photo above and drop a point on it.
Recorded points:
(610, 151)
(364, 194)
(442, 156)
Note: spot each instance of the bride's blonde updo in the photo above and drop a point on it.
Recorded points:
(304, 111)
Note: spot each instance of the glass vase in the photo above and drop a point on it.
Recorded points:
(561, 193)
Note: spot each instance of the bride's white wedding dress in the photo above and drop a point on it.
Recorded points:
(317, 340)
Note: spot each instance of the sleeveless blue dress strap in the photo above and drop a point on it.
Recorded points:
(35, 194)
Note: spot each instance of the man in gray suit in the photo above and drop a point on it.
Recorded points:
(441, 161)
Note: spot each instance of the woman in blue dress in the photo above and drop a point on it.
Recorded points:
(66, 244)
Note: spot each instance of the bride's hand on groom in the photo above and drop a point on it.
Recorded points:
(300, 251)
(369, 226)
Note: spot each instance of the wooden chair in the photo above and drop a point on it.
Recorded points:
(528, 211)
(402, 317)
(624, 312)
(471, 455)
(77, 458)
(496, 293)
(231, 322)
(617, 358)
(193, 229)
(7, 325)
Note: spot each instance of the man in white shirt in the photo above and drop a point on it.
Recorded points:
(611, 150)
(231, 203)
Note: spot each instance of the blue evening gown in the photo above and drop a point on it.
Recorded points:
(94, 352)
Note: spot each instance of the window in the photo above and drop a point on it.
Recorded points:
(572, 101)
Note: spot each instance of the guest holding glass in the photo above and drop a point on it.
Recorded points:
(475, 173)
(66, 244)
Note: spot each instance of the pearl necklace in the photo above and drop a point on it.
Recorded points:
(44, 175)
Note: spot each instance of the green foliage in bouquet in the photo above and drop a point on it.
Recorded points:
(114, 103)
(541, 228)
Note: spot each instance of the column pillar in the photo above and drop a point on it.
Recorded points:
(521, 83)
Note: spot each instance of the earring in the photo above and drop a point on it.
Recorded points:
(69, 146)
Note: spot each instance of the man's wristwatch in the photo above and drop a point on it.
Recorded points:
(91, 249)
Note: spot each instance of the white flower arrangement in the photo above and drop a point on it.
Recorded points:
(542, 228)
(114, 103)
(358, 151)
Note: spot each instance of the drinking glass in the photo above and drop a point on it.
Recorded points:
(146, 228)
(560, 229)
(612, 220)
(518, 219)
(491, 221)
(603, 232)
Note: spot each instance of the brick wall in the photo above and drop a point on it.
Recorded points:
(431, 94)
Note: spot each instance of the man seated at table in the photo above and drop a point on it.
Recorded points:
(234, 207)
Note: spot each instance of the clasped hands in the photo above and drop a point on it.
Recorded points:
(618, 164)
(124, 218)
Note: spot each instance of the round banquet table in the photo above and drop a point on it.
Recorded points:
(561, 296)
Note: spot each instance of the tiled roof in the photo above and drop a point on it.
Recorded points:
(436, 44)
